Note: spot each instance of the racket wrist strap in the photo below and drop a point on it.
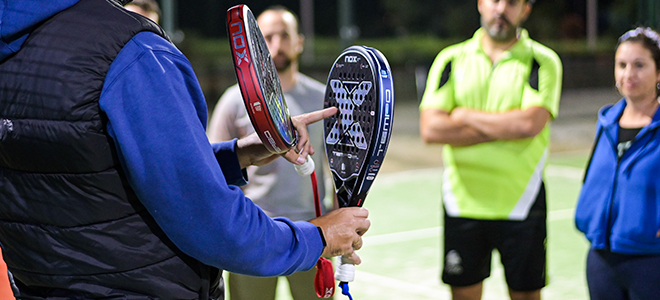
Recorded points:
(324, 284)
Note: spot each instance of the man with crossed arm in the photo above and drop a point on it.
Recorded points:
(489, 100)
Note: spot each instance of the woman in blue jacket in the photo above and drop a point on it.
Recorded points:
(619, 205)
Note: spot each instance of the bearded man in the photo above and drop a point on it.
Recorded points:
(489, 100)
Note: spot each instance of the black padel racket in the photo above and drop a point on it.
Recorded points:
(263, 98)
(356, 139)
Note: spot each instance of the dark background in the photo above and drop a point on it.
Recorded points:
(411, 32)
(444, 18)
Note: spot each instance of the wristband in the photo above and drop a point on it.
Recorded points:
(322, 236)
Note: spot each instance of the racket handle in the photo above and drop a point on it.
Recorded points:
(345, 271)
(307, 168)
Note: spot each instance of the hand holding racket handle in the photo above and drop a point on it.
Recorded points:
(307, 168)
(341, 228)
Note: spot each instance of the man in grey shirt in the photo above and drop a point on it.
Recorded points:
(276, 188)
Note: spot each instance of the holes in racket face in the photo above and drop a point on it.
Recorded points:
(348, 134)
(269, 82)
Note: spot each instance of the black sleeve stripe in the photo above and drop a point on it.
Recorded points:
(445, 75)
(591, 156)
(534, 75)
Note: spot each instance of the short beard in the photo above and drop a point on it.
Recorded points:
(503, 36)
(283, 64)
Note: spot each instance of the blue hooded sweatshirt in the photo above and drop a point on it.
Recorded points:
(619, 205)
(157, 117)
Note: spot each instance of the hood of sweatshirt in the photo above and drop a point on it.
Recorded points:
(19, 17)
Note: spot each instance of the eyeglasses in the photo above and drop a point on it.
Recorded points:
(647, 32)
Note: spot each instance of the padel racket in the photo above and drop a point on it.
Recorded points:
(360, 85)
(263, 98)
(259, 84)
(356, 139)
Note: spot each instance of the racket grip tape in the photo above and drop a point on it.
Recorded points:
(345, 271)
(307, 168)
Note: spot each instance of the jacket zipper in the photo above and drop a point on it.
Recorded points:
(610, 222)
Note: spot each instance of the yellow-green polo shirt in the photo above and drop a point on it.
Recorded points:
(499, 179)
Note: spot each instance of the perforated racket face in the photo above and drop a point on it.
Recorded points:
(258, 81)
(349, 133)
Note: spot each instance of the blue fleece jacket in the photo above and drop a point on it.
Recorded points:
(157, 117)
(619, 204)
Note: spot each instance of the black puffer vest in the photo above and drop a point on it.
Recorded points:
(70, 225)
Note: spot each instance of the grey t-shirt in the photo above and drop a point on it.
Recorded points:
(276, 188)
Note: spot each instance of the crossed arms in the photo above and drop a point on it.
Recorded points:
(465, 127)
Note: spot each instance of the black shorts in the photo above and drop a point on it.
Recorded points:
(469, 244)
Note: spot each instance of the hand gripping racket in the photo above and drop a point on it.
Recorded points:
(356, 139)
(264, 101)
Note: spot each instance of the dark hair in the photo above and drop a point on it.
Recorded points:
(282, 8)
(649, 39)
(147, 5)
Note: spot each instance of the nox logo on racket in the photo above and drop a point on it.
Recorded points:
(349, 96)
(238, 40)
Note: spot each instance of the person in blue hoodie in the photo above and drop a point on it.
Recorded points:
(109, 186)
(619, 205)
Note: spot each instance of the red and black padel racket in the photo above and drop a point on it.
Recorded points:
(258, 81)
(356, 139)
(263, 98)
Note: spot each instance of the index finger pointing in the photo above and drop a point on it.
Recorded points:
(317, 115)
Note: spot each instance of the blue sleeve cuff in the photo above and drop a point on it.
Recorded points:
(225, 153)
(311, 237)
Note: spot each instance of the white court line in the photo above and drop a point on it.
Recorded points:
(403, 287)
(564, 171)
(404, 236)
(390, 178)
(435, 232)
(562, 214)
(551, 170)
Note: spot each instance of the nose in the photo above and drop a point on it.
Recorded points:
(625, 74)
(500, 6)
